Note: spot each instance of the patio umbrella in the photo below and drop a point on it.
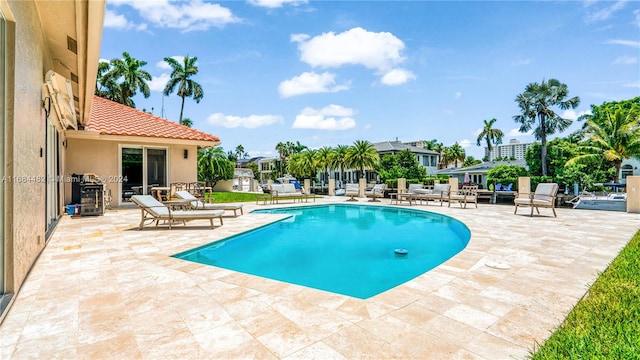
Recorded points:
(467, 179)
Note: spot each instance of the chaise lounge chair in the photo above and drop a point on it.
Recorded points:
(199, 205)
(154, 210)
(376, 192)
(544, 196)
(352, 190)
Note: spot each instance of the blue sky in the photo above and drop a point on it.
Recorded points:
(333, 72)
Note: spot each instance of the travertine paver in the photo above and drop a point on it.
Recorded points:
(103, 289)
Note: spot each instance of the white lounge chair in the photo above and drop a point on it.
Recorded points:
(199, 205)
(154, 210)
(544, 196)
(376, 192)
(352, 190)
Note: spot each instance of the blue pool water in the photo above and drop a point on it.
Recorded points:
(345, 249)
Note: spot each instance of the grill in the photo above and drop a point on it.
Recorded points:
(91, 195)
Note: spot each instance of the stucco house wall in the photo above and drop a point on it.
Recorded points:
(25, 141)
(101, 157)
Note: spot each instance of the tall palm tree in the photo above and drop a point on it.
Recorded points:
(338, 159)
(130, 77)
(282, 150)
(181, 80)
(536, 104)
(239, 151)
(613, 137)
(362, 155)
(323, 160)
(445, 157)
(456, 153)
(490, 135)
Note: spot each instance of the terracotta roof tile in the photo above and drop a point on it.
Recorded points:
(111, 118)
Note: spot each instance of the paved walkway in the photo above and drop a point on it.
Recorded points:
(104, 290)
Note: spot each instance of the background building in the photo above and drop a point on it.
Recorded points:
(514, 150)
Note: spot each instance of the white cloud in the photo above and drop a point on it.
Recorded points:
(458, 95)
(380, 51)
(626, 60)
(477, 132)
(637, 19)
(159, 82)
(272, 4)
(635, 44)
(464, 143)
(633, 84)
(397, 77)
(447, 112)
(249, 122)
(516, 132)
(572, 114)
(309, 83)
(116, 21)
(605, 13)
(184, 15)
(332, 117)
(521, 62)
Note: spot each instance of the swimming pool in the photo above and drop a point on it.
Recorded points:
(342, 248)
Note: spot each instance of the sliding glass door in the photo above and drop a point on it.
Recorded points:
(141, 169)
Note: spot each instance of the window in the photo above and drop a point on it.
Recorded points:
(627, 170)
(133, 163)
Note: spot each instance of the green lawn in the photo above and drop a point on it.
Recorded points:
(234, 197)
(605, 324)
(229, 197)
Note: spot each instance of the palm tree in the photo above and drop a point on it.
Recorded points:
(438, 147)
(445, 156)
(281, 149)
(181, 80)
(303, 163)
(456, 153)
(362, 155)
(535, 105)
(431, 144)
(214, 165)
(613, 137)
(338, 159)
(186, 122)
(129, 76)
(323, 160)
(239, 151)
(490, 135)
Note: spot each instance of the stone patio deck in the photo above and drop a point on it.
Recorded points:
(103, 289)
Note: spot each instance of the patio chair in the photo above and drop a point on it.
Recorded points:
(440, 193)
(352, 190)
(468, 194)
(377, 191)
(196, 204)
(544, 196)
(173, 187)
(154, 210)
